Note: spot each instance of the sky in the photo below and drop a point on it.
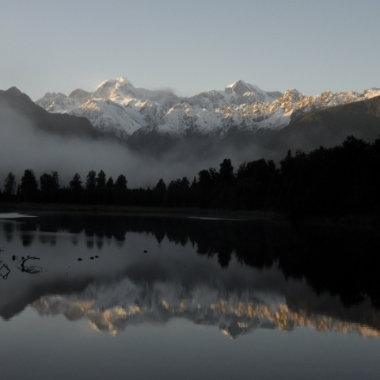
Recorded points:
(190, 46)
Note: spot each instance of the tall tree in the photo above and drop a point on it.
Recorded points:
(226, 173)
(76, 182)
(29, 186)
(121, 182)
(55, 183)
(49, 186)
(101, 180)
(109, 184)
(158, 193)
(161, 186)
(91, 180)
(49, 182)
(10, 184)
(76, 192)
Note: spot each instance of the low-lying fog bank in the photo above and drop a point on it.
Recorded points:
(22, 146)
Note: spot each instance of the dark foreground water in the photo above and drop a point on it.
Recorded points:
(152, 298)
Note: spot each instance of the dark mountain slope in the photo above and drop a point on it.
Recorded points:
(329, 127)
(59, 124)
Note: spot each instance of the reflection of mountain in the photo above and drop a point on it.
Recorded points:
(114, 308)
(232, 274)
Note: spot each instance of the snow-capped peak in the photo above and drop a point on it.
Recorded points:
(240, 87)
(80, 95)
(124, 81)
(117, 106)
(107, 89)
(293, 91)
(244, 92)
(371, 92)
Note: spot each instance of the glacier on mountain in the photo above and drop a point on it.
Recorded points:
(118, 107)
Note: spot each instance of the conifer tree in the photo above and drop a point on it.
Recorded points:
(101, 180)
(29, 186)
(121, 182)
(109, 184)
(91, 180)
(76, 183)
(10, 184)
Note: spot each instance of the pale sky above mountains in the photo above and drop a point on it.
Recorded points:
(190, 46)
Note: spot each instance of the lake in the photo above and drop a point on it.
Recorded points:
(133, 297)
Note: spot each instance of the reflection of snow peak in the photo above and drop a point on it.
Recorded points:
(116, 307)
(117, 106)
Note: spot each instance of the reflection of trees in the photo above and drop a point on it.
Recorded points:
(332, 259)
(48, 239)
(27, 240)
(340, 261)
(27, 236)
(8, 228)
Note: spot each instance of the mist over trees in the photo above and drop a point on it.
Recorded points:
(336, 181)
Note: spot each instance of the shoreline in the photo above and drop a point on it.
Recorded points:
(51, 208)
(142, 211)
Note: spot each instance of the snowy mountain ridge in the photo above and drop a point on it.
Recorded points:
(118, 107)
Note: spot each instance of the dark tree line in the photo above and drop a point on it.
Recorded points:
(325, 182)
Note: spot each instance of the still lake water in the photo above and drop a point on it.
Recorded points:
(174, 298)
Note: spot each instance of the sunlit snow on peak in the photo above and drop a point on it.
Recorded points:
(118, 107)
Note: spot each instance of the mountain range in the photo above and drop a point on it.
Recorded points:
(241, 115)
(117, 106)
(242, 120)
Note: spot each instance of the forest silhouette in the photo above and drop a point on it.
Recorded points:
(339, 181)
